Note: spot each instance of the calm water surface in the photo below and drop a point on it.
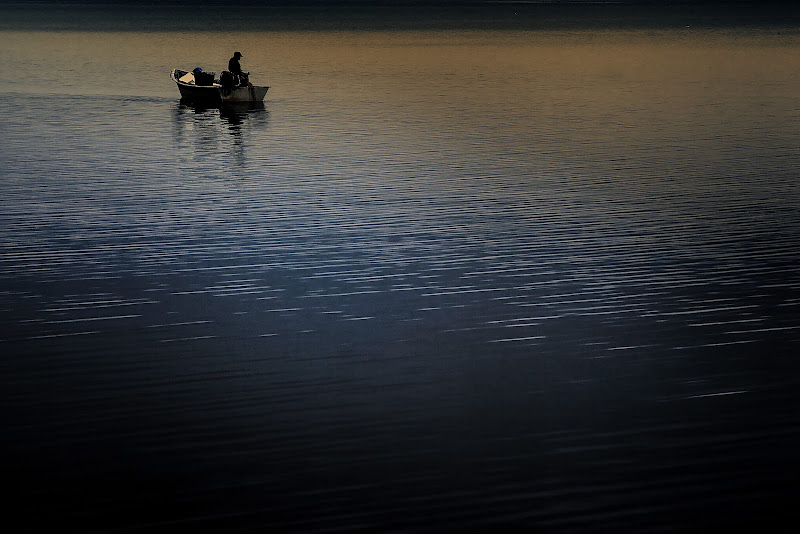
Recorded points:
(441, 280)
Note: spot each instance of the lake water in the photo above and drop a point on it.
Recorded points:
(444, 279)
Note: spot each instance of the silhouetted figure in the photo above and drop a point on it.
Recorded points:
(239, 77)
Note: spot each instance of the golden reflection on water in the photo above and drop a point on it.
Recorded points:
(479, 66)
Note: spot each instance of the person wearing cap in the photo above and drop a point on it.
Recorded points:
(240, 78)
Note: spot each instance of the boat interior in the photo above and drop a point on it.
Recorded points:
(198, 78)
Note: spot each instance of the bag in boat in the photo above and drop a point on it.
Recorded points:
(227, 82)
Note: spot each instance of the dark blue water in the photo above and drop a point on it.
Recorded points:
(440, 281)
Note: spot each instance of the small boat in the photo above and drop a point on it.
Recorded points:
(204, 88)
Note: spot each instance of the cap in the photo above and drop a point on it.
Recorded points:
(238, 54)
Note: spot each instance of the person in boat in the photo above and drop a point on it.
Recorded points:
(240, 78)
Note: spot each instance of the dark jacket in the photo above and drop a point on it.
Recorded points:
(234, 67)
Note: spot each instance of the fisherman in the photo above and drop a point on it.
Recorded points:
(240, 78)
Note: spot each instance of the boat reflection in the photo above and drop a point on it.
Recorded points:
(236, 114)
(226, 128)
(233, 112)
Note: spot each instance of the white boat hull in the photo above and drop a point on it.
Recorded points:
(215, 93)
